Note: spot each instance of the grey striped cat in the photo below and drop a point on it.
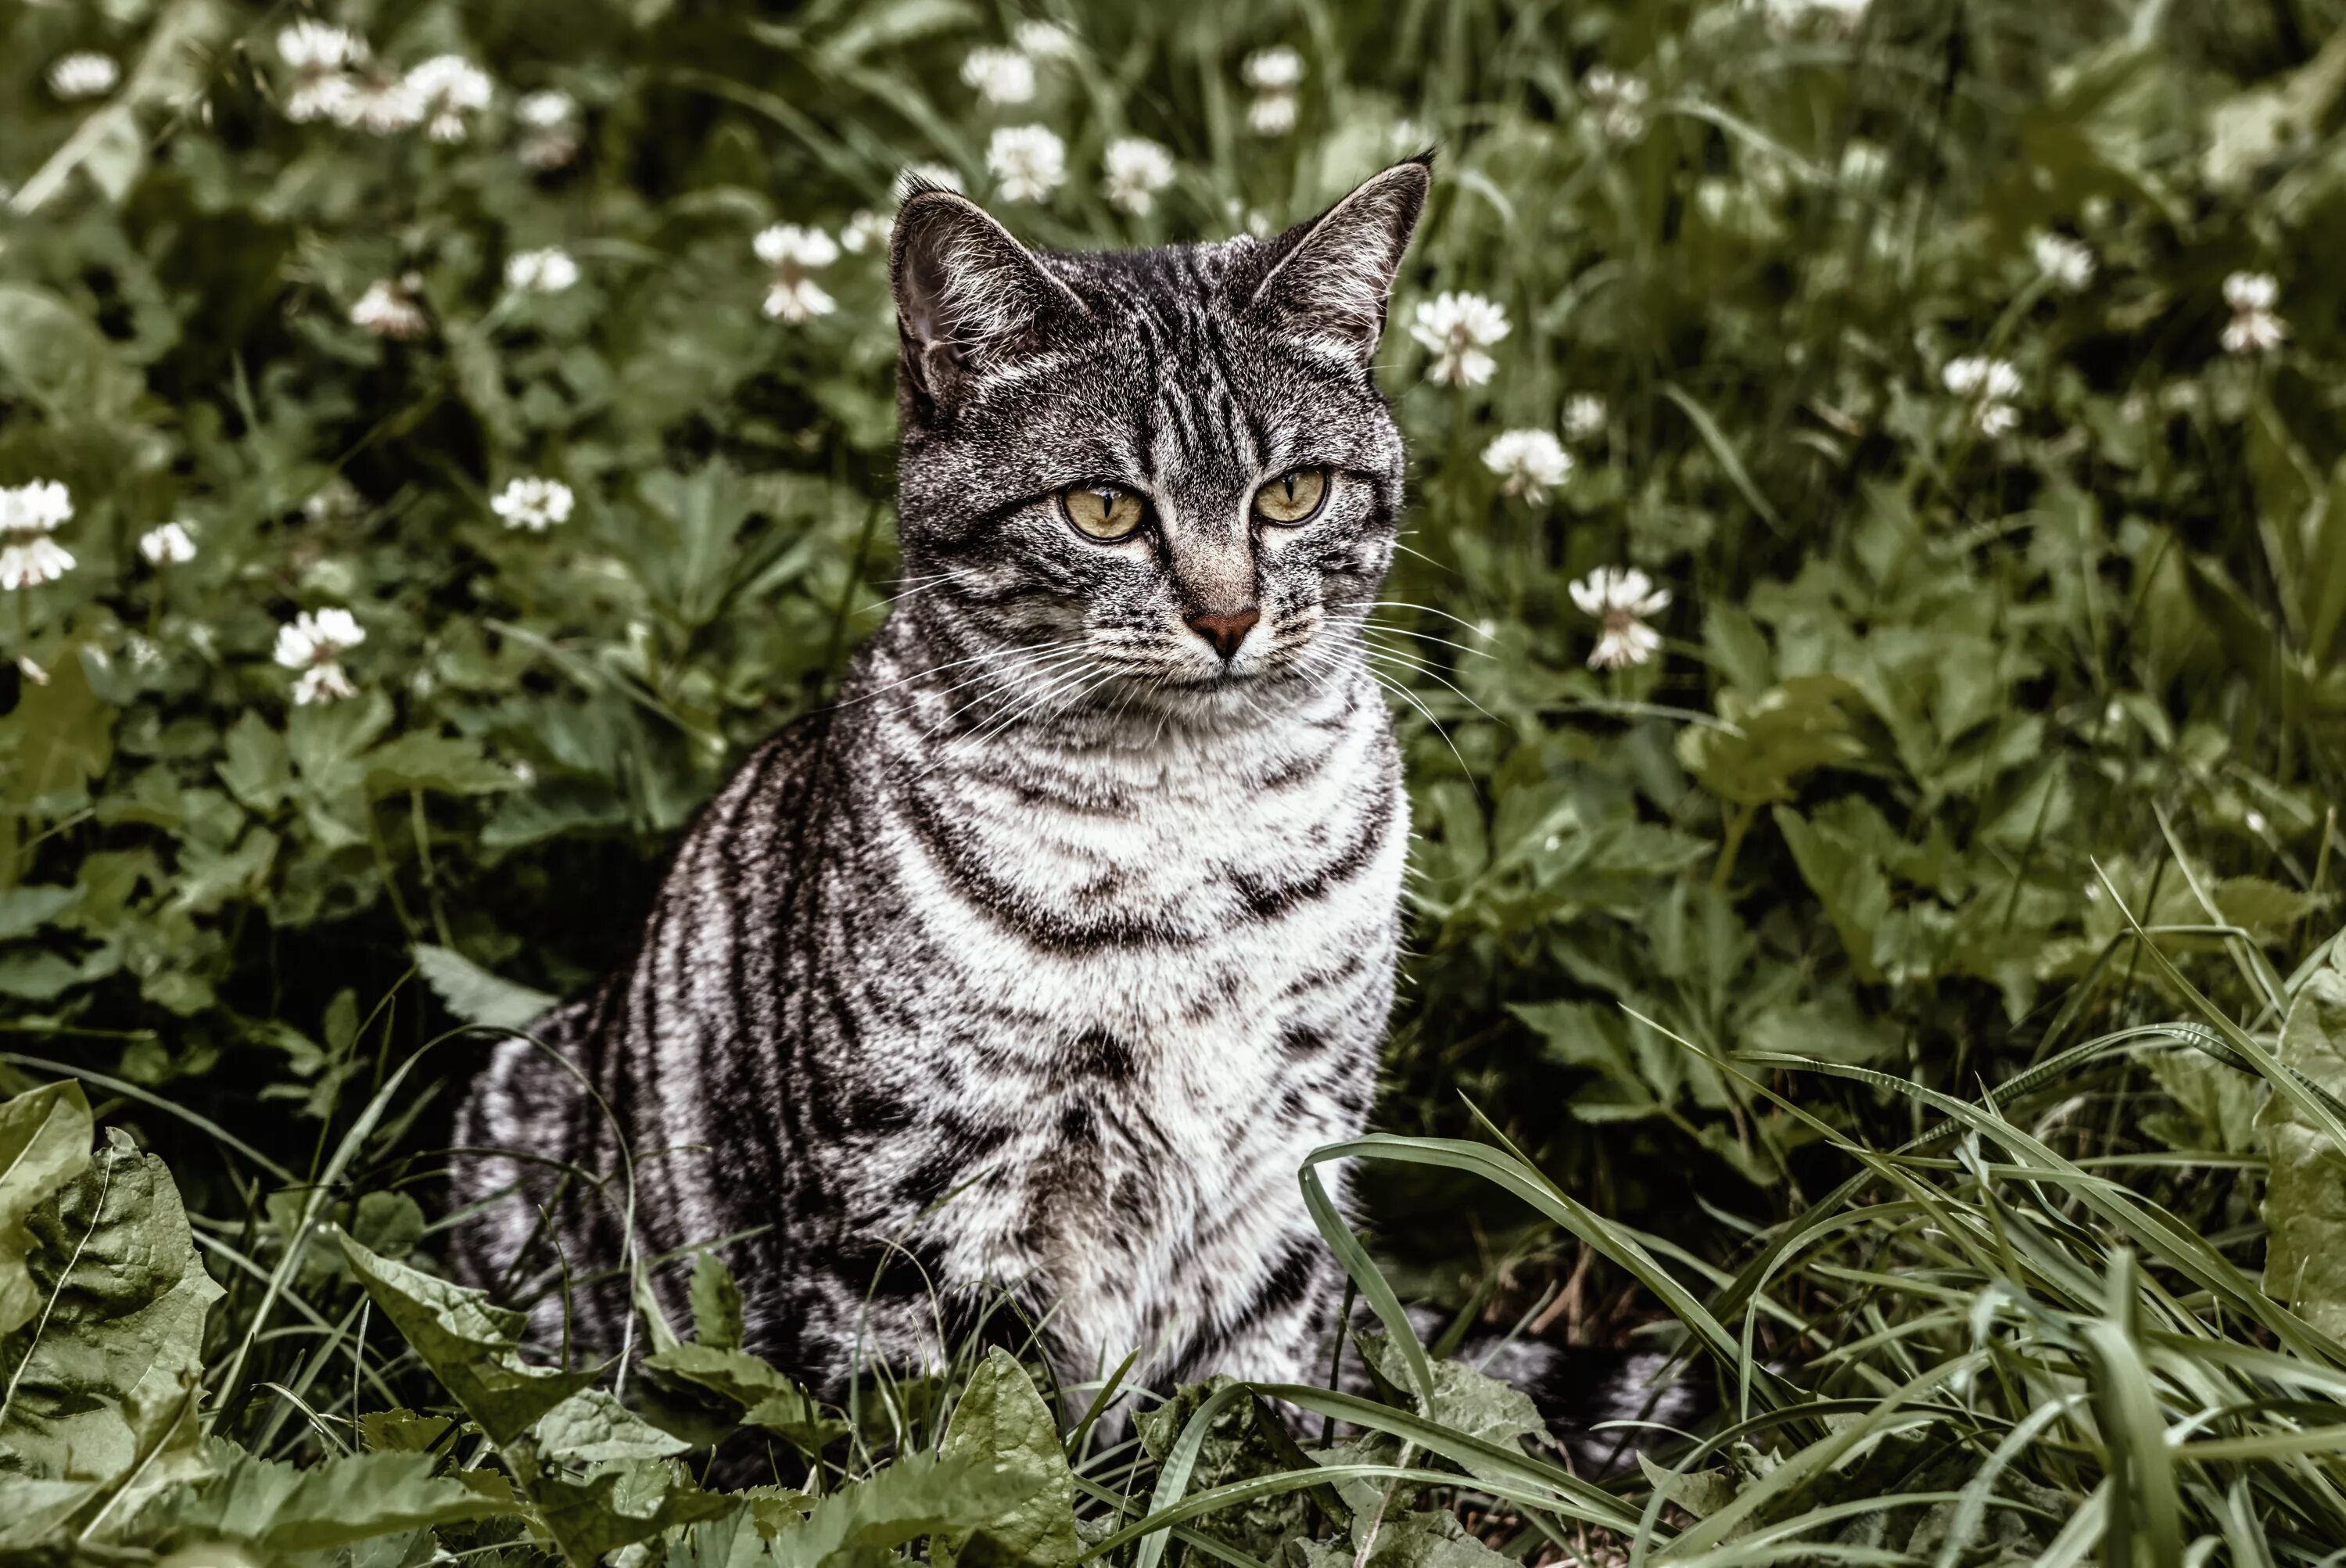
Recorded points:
(1038, 961)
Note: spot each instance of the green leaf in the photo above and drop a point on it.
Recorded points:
(475, 995)
(259, 768)
(1774, 738)
(418, 760)
(105, 1373)
(280, 1508)
(2305, 1191)
(53, 358)
(44, 1144)
(622, 1502)
(920, 1494)
(26, 908)
(1848, 879)
(403, 1431)
(1466, 1398)
(716, 1304)
(591, 1427)
(1003, 1422)
(765, 1398)
(471, 1346)
(1427, 1538)
(61, 737)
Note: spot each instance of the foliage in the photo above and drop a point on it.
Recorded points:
(1994, 726)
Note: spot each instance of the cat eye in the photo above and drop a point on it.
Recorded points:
(1293, 497)
(1105, 511)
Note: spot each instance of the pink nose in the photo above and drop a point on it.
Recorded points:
(1225, 632)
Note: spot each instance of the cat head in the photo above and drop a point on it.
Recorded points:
(1166, 475)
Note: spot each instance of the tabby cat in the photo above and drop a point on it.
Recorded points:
(1039, 961)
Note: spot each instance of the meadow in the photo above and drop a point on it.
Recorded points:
(1870, 650)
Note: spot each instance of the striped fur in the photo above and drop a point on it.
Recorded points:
(1039, 961)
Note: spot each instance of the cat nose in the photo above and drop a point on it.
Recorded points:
(1225, 631)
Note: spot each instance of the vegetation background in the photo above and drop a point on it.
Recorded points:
(474, 429)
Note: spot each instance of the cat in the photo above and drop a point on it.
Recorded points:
(1040, 960)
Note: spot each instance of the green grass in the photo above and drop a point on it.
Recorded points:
(1912, 994)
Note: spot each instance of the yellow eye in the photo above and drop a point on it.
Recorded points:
(1292, 498)
(1102, 511)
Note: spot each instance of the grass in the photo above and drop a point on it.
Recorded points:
(1910, 996)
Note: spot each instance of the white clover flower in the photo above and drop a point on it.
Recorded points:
(446, 89)
(1862, 165)
(1138, 168)
(1000, 75)
(2254, 328)
(1271, 114)
(390, 309)
(913, 176)
(314, 645)
(1457, 328)
(1278, 69)
(172, 544)
(534, 504)
(320, 57)
(336, 501)
(1027, 162)
(1584, 416)
(867, 230)
(549, 127)
(1618, 101)
(2069, 263)
(1274, 73)
(547, 272)
(379, 101)
(85, 74)
(1531, 461)
(793, 250)
(1044, 40)
(1621, 599)
(1841, 16)
(1989, 386)
(144, 652)
(29, 513)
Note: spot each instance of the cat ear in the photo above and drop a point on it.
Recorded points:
(968, 296)
(1335, 273)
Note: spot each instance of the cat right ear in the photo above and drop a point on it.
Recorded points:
(969, 298)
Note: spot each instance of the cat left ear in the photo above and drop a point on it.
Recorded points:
(1335, 273)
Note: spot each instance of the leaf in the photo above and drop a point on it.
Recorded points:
(1701, 1492)
(716, 1304)
(592, 1427)
(26, 908)
(61, 737)
(1243, 1442)
(1002, 1422)
(1848, 879)
(258, 769)
(920, 1494)
(471, 1345)
(1467, 1398)
(403, 1431)
(2305, 1190)
(1777, 735)
(2254, 901)
(621, 1502)
(44, 1144)
(106, 1374)
(336, 1503)
(1427, 1538)
(475, 995)
(52, 357)
(765, 1398)
(418, 760)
